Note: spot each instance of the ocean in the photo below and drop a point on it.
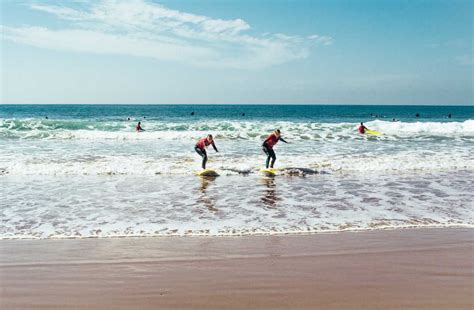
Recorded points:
(80, 171)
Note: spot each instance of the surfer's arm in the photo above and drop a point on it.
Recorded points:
(214, 147)
(283, 140)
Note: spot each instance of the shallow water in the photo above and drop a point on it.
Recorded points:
(99, 206)
(85, 172)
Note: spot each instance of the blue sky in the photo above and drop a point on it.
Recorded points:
(147, 51)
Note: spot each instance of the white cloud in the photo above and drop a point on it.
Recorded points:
(140, 28)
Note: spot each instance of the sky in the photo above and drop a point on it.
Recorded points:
(236, 52)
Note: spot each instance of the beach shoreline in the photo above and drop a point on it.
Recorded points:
(390, 269)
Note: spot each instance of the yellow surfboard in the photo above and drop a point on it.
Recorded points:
(270, 171)
(372, 132)
(207, 173)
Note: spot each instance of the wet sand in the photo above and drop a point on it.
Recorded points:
(399, 269)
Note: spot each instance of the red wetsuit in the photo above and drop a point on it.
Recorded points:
(271, 140)
(362, 129)
(203, 143)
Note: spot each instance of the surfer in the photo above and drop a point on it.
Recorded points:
(362, 128)
(200, 148)
(268, 144)
(139, 127)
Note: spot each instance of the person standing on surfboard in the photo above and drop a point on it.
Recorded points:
(362, 128)
(200, 148)
(268, 144)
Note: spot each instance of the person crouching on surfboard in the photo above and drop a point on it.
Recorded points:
(362, 128)
(268, 144)
(200, 148)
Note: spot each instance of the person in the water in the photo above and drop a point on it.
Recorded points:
(200, 148)
(362, 128)
(139, 127)
(268, 145)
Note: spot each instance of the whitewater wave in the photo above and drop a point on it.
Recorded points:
(245, 130)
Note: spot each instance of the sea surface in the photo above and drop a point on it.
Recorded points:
(78, 171)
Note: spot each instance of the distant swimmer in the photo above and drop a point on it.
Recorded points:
(46, 117)
(139, 127)
(395, 120)
(449, 115)
(417, 115)
(268, 145)
(243, 114)
(362, 128)
(192, 113)
(200, 148)
(128, 118)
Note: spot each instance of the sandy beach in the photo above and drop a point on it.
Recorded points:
(398, 269)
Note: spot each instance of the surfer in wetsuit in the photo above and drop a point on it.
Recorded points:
(362, 128)
(268, 144)
(139, 127)
(200, 148)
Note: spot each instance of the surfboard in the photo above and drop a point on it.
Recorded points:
(270, 171)
(207, 173)
(372, 132)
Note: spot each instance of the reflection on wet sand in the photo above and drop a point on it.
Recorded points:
(270, 197)
(203, 197)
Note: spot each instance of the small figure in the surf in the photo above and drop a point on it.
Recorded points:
(192, 113)
(268, 145)
(417, 115)
(200, 148)
(362, 128)
(449, 115)
(139, 127)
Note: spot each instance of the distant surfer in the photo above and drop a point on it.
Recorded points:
(362, 128)
(268, 144)
(139, 127)
(449, 115)
(200, 148)
(417, 115)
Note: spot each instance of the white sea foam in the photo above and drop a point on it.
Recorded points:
(244, 130)
(82, 207)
